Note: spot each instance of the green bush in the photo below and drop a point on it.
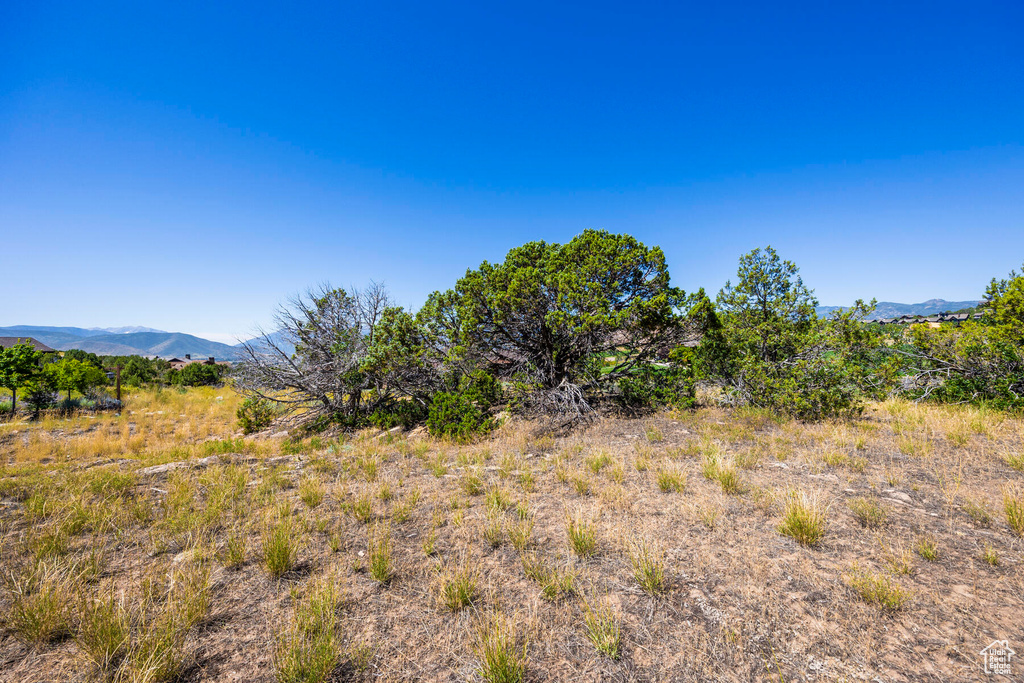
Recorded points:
(813, 389)
(255, 414)
(405, 414)
(480, 388)
(38, 397)
(455, 416)
(197, 375)
(651, 387)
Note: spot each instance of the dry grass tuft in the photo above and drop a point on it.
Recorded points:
(494, 528)
(555, 582)
(1013, 505)
(990, 555)
(41, 603)
(501, 651)
(869, 513)
(459, 584)
(927, 548)
(804, 518)
(280, 546)
(520, 533)
(978, 512)
(308, 651)
(582, 534)
(104, 632)
(671, 479)
(602, 626)
(877, 589)
(648, 562)
(379, 550)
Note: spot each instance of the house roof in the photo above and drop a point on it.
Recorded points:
(6, 342)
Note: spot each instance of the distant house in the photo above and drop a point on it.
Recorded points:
(931, 321)
(179, 363)
(7, 342)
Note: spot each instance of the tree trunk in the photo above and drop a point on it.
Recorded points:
(14, 401)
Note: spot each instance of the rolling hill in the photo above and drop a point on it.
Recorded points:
(891, 309)
(105, 342)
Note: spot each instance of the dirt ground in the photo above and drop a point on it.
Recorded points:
(740, 600)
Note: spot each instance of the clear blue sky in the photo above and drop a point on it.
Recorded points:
(187, 166)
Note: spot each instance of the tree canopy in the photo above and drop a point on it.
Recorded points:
(548, 311)
(18, 364)
(71, 374)
(767, 347)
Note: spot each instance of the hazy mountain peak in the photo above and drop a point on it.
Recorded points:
(123, 341)
(892, 309)
(126, 330)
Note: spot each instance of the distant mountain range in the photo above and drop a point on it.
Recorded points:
(124, 341)
(279, 339)
(891, 309)
(145, 341)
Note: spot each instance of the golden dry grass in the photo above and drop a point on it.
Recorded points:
(662, 549)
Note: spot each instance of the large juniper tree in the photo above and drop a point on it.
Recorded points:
(551, 312)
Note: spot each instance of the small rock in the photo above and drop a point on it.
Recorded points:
(185, 556)
(899, 495)
(181, 464)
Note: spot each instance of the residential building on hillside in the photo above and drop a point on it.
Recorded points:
(7, 342)
(179, 363)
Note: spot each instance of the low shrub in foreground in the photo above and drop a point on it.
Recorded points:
(255, 414)
(455, 416)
